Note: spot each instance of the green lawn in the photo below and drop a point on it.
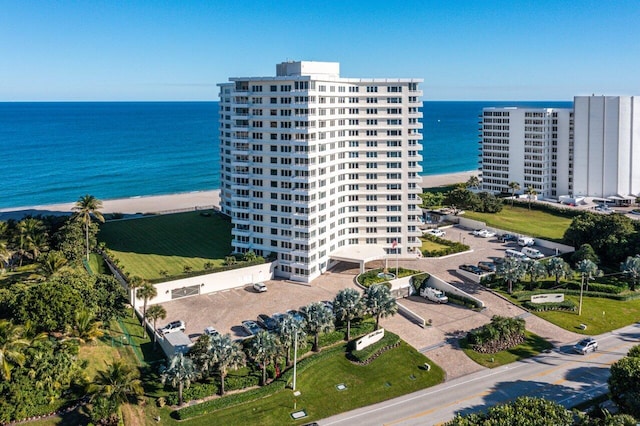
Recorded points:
(600, 315)
(429, 245)
(534, 223)
(532, 346)
(395, 373)
(149, 245)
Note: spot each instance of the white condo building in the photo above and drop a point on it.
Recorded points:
(592, 150)
(317, 168)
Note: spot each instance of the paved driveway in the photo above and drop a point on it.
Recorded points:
(226, 310)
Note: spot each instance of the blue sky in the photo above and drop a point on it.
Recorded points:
(179, 50)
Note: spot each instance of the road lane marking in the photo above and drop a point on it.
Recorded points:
(432, 410)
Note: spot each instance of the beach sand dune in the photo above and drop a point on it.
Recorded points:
(176, 202)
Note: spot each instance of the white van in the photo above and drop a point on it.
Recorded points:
(525, 241)
(515, 253)
(532, 253)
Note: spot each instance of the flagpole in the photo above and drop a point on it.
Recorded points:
(397, 255)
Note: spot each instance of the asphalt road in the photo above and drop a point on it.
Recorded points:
(559, 375)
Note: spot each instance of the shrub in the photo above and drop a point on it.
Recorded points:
(451, 247)
(195, 391)
(371, 277)
(566, 305)
(500, 334)
(235, 382)
(457, 299)
(419, 281)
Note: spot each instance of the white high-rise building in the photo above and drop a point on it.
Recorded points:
(529, 146)
(592, 150)
(607, 146)
(317, 168)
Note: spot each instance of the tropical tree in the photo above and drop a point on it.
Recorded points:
(531, 194)
(558, 268)
(180, 372)
(624, 385)
(85, 207)
(30, 238)
(536, 271)
(119, 383)
(12, 346)
(5, 256)
(379, 302)
(524, 410)
(511, 270)
(289, 330)
(225, 355)
(348, 306)
(319, 320)
(513, 186)
(631, 267)
(264, 349)
(588, 271)
(154, 313)
(473, 182)
(147, 292)
(53, 262)
(86, 328)
(134, 283)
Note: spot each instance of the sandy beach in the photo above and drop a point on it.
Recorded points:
(176, 202)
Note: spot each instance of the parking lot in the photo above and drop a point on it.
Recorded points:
(226, 310)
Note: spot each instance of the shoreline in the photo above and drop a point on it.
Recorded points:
(181, 201)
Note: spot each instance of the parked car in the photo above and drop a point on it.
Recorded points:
(525, 241)
(260, 287)
(487, 266)
(472, 268)
(173, 326)
(532, 253)
(295, 315)
(251, 327)
(635, 211)
(328, 304)
(278, 316)
(505, 238)
(210, 331)
(436, 232)
(484, 233)
(267, 322)
(585, 346)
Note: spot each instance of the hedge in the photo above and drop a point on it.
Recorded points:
(370, 278)
(566, 305)
(363, 356)
(559, 210)
(241, 264)
(456, 299)
(195, 391)
(523, 296)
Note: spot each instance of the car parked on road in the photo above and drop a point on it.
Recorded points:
(251, 327)
(436, 232)
(260, 287)
(210, 331)
(487, 266)
(267, 322)
(585, 346)
(472, 268)
(505, 238)
(173, 326)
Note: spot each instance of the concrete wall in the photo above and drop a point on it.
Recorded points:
(408, 313)
(215, 282)
(440, 284)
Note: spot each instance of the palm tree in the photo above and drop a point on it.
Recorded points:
(287, 330)
(264, 349)
(348, 306)
(147, 292)
(225, 354)
(531, 194)
(86, 328)
(30, 238)
(119, 382)
(155, 313)
(473, 182)
(12, 345)
(588, 271)
(536, 271)
(180, 372)
(511, 270)
(558, 268)
(52, 263)
(319, 320)
(513, 186)
(85, 207)
(379, 302)
(5, 256)
(134, 283)
(631, 267)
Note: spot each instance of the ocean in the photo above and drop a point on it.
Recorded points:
(54, 152)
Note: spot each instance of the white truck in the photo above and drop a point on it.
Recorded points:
(434, 295)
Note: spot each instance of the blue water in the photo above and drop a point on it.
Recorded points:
(53, 152)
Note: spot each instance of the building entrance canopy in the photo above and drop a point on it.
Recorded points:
(360, 254)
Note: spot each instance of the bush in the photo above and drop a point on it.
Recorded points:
(451, 247)
(566, 305)
(371, 277)
(195, 391)
(419, 281)
(457, 299)
(235, 382)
